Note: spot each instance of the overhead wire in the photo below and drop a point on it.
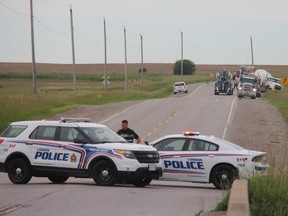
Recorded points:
(15, 11)
(49, 29)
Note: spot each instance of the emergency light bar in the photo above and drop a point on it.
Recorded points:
(75, 120)
(191, 133)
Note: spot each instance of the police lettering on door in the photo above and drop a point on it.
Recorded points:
(47, 155)
(195, 164)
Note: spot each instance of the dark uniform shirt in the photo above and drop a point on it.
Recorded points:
(128, 134)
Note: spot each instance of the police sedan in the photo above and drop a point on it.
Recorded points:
(207, 159)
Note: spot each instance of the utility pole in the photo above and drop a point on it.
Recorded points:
(251, 43)
(105, 53)
(73, 51)
(181, 56)
(33, 49)
(141, 61)
(125, 46)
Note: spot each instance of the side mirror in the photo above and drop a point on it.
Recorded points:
(146, 142)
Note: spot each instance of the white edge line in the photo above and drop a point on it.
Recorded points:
(229, 118)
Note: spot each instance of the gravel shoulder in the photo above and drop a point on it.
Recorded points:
(257, 125)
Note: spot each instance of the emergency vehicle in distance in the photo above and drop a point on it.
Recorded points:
(74, 148)
(199, 158)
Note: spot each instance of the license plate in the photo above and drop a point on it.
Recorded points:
(152, 167)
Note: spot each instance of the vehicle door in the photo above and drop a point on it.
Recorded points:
(199, 158)
(72, 149)
(42, 147)
(170, 151)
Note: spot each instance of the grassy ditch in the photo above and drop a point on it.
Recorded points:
(268, 195)
(57, 95)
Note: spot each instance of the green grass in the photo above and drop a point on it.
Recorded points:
(279, 99)
(56, 94)
(268, 195)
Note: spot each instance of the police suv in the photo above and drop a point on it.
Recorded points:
(199, 158)
(74, 148)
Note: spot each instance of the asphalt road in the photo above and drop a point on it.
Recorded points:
(199, 110)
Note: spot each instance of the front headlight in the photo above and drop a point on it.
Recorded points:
(127, 154)
(254, 89)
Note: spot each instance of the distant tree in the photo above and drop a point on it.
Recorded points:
(144, 70)
(189, 67)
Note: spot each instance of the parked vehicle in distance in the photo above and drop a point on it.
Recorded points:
(223, 83)
(199, 158)
(180, 87)
(247, 86)
(74, 148)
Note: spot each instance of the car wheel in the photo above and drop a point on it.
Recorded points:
(58, 179)
(104, 173)
(141, 182)
(222, 176)
(19, 171)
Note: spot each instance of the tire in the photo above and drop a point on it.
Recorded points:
(58, 179)
(104, 173)
(222, 176)
(141, 182)
(19, 171)
(253, 97)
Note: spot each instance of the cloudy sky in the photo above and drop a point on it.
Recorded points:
(214, 32)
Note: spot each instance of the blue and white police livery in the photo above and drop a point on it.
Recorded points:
(207, 159)
(74, 148)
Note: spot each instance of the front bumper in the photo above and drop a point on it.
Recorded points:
(246, 93)
(140, 173)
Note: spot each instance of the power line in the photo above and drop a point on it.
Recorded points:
(58, 7)
(49, 29)
(85, 37)
(86, 17)
(20, 13)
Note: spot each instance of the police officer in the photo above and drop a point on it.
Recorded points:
(128, 133)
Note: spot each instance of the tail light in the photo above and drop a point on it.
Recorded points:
(260, 159)
(1, 141)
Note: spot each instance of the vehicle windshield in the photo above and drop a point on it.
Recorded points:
(179, 84)
(102, 135)
(247, 80)
(274, 80)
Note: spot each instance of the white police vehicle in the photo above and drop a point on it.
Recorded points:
(206, 159)
(74, 148)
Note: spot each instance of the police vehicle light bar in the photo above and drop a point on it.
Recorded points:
(66, 120)
(190, 133)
